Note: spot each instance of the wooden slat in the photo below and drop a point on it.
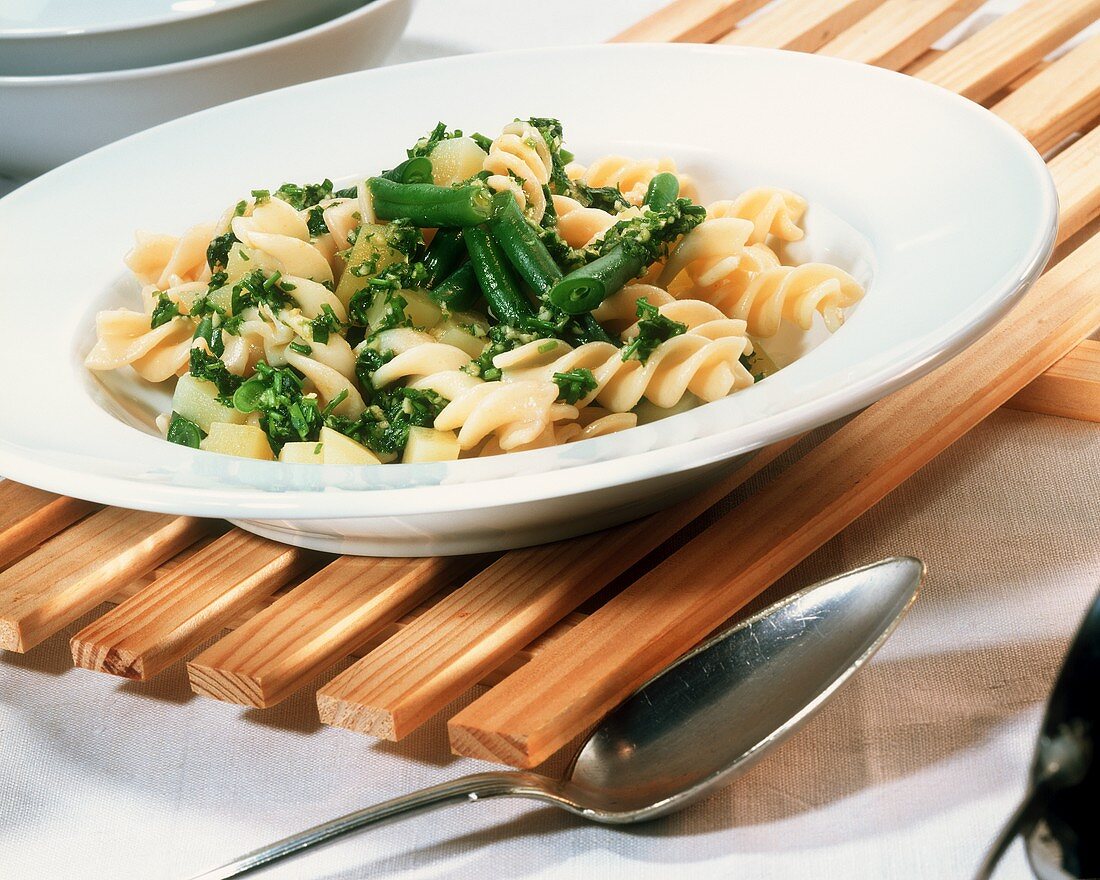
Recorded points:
(1062, 99)
(567, 688)
(453, 645)
(315, 625)
(178, 611)
(689, 21)
(1076, 173)
(993, 57)
(30, 516)
(899, 31)
(804, 25)
(75, 571)
(1071, 388)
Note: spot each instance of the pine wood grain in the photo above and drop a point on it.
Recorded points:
(75, 571)
(179, 610)
(315, 625)
(1071, 388)
(30, 516)
(472, 631)
(1076, 173)
(567, 688)
(802, 25)
(997, 54)
(689, 21)
(1064, 98)
(898, 31)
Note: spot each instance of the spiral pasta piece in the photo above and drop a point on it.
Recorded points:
(579, 225)
(705, 361)
(795, 293)
(515, 413)
(519, 162)
(125, 338)
(281, 233)
(630, 176)
(620, 310)
(771, 211)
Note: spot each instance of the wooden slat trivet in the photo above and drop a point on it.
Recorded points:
(364, 607)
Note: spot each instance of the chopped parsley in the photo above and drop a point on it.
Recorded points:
(384, 425)
(286, 414)
(367, 363)
(301, 347)
(315, 222)
(164, 311)
(261, 195)
(575, 384)
(256, 289)
(502, 338)
(217, 252)
(302, 197)
(325, 324)
(206, 366)
(653, 329)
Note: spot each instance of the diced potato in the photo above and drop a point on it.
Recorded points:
(455, 160)
(197, 401)
(302, 453)
(373, 253)
(452, 334)
(428, 444)
(244, 441)
(222, 298)
(339, 449)
(422, 310)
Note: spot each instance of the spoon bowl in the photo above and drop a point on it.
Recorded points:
(697, 724)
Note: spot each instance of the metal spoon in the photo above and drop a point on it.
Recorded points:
(1058, 814)
(697, 724)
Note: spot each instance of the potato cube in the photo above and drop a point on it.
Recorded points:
(337, 448)
(245, 441)
(197, 401)
(302, 453)
(428, 444)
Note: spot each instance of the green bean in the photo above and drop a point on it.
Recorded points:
(585, 288)
(506, 301)
(459, 290)
(522, 246)
(663, 190)
(428, 205)
(183, 432)
(246, 399)
(590, 330)
(445, 252)
(417, 170)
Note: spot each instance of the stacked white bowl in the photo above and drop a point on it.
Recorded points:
(76, 75)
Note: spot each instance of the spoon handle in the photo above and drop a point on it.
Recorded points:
(465, 788)
(1021, 818)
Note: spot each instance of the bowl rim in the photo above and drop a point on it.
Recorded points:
(77, 31)
(103, 77)
(347, 501)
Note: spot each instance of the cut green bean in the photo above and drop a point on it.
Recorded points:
(522, 246)
(183, 432)
(591, 330)
(663, 190)
(445, 252)
(416, 170)
(506, 301)
(428, 205)
(584, 289)
(459, 290)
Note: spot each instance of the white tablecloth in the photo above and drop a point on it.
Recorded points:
(906, 774)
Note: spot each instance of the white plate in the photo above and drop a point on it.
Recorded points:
(947, 212)
(47, 120)
(47, 37)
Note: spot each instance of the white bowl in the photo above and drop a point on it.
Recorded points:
(75, 36)
(47, 120)
(942, 207)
